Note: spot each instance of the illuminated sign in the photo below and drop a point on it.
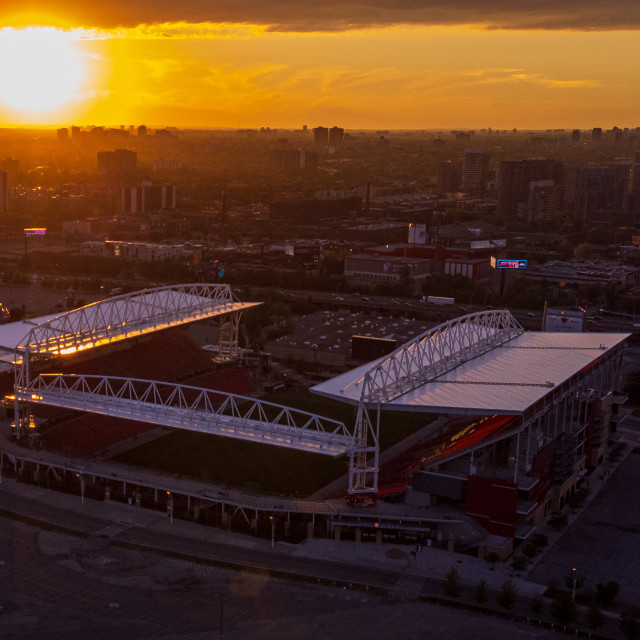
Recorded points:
(502, 263)
(567, 321)
(493, 262)
(39, 231)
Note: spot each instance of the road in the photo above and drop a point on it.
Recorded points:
(59, 587)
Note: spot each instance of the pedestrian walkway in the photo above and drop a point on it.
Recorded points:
(112, 530)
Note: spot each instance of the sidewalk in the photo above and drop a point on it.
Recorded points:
(67, 513)
(384, 568)
(388, 568)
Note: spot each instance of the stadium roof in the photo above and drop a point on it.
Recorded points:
(508, 378)
(119, 318)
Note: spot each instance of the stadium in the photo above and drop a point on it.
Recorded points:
(467, 435)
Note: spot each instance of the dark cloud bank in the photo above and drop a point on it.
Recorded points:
(337, 15)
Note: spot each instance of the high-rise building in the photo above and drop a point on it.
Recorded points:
(4, 192)
(147, 197)
(475, 170)
(634, 190)
(448, 177)
(62, 134)
(142, 131)
(294, 159)
(575, 136)
(10, 165)
(596, 135)
(545, 201)
(336, 137)
(601, 193)
(321, 136)
(120, 161)
(514, 179)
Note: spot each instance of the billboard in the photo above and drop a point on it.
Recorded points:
(38, 231)
(561, 320)
(504, 263)
(417, 233)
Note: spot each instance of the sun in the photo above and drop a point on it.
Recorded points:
(42, 69)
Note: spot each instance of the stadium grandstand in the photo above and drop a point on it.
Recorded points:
(158, 349)
(530, 414)
(522, 415)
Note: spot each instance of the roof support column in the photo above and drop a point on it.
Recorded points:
(22, 410)
(363, 477)
(515, 467)
(228, 332)
(527, 466)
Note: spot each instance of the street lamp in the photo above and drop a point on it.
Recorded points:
(574, 582)
(221, 610)
(273, 532)
(81, 477)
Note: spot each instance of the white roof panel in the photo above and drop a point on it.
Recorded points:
(505, 380)
(123, 316)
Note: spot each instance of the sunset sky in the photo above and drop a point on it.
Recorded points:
(419, 64)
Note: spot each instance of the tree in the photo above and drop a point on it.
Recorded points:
(536, 605)
(507, 595)
(595, 618)
(565, 250)
(630, 622)
(519, 563)
(451, 584)
(584, 250)
(563, 608)
(405, 280)
(606, 593)
(481, 594)
(540, 540)
(559, 521)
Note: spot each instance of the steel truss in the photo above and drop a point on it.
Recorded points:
(127, 316)
(192, 408)
(123, 317)
(436, 352)
(412, 365)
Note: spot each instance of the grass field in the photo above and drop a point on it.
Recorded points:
(276, 470)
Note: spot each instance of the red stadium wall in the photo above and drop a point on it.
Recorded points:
(493, 503)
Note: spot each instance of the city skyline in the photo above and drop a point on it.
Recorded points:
(419, 65)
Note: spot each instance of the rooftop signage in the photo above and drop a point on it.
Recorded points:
(502, 263)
